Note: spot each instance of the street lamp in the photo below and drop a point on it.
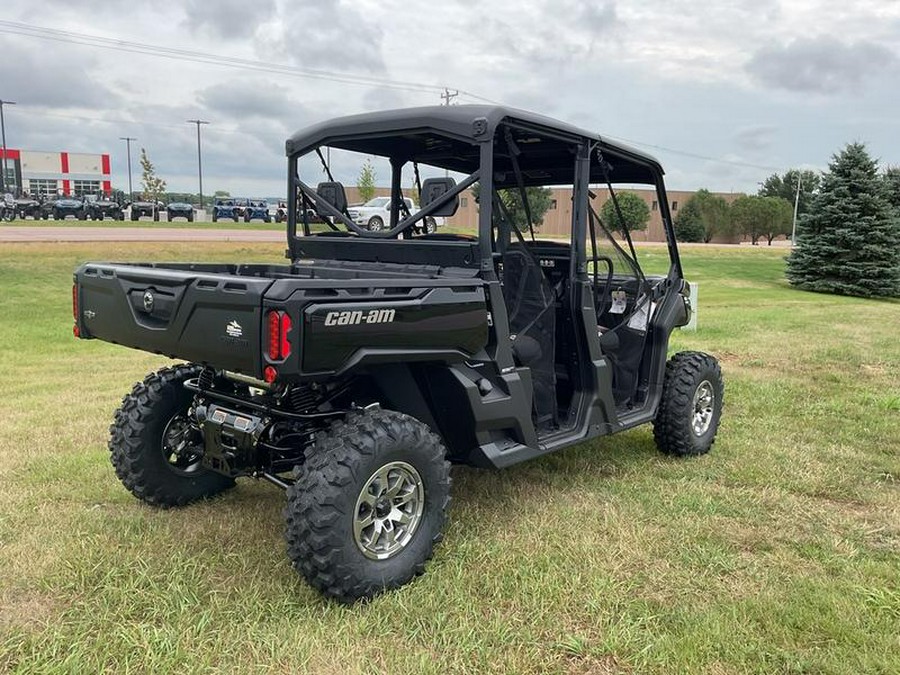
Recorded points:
(3, 133)
(128, 140)
(199, 157)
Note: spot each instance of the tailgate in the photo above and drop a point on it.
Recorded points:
(208, 318)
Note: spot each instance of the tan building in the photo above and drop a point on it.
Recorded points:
(558, 219)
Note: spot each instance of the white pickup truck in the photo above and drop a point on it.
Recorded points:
(377, 211)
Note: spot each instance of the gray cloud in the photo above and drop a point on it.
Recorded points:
(34, 75)
(331, 34)
(756, 138)
(228, 18)
(819, 65)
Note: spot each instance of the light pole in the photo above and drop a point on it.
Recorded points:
(3, 133)
(796, 204)
(128, 140)
(199, 157)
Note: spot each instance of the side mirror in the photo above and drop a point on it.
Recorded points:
(433, 189)
(334, 194)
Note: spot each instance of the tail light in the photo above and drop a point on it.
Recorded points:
(278, 326)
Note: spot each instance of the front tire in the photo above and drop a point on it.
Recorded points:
(691, 406)
(376, 224)
(368, 506)
(151, 443)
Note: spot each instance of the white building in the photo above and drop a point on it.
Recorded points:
(52, 173)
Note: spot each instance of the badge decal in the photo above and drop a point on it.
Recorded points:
(149, 300)
(234, 329)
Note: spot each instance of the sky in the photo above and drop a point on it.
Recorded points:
(724, 93)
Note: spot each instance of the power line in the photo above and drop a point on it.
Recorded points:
(695, 155)
(72, 37)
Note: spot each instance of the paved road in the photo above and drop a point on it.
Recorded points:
(14, 233)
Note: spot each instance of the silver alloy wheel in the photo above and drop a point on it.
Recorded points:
(177, 448)
(703, 406)
(388, 510)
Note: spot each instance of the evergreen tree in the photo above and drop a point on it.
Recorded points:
(892, 182)
(849, 242)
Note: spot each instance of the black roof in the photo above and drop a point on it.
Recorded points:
(455, 130)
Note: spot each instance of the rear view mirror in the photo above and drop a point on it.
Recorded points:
(434, 189)
(334, 194)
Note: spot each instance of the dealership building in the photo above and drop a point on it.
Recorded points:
(54, 173)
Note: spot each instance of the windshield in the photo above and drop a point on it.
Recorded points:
(378, 202)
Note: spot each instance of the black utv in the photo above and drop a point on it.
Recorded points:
(354, 375)
(103, 207)
(146, 209)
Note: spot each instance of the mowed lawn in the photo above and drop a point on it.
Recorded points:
(779, 552)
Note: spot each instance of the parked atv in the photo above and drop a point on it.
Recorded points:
(180, 210)
(257, 209)
(352, 376)
(146, 209)
(68, 205)
(224, 209)
(103, 207)
(26, 207)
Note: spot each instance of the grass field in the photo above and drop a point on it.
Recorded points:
(777, 553)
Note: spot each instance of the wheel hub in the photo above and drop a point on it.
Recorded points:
(703, 406)
(388, 510)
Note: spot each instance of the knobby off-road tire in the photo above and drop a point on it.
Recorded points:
(376, 457)
(136, 443)
(688, 416)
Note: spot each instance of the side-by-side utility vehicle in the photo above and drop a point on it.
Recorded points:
(353, 375)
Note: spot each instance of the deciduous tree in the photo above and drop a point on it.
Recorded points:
(703, 217)
(366, 181)
(634, 210)
(153, 185)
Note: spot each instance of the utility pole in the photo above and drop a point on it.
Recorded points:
(447, 96)
(796, 204)
(3, 132)
(199, 157)
(128, 140)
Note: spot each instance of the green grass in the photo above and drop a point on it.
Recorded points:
(779, 552)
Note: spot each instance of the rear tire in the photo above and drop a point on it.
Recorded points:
(688, 415)
(368, 505)
(149, 427)
(430, 225)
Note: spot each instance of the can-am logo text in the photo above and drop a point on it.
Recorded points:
(356, 317)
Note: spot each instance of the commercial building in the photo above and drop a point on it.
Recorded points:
(53, 173)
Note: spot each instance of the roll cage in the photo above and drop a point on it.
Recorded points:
(497, 147)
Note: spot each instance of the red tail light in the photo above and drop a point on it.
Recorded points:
(273, 322)
(278, 325)
(285, 329)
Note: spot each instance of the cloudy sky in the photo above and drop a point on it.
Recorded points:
(724, 92)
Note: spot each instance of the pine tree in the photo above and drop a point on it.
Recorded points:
(849, 242)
